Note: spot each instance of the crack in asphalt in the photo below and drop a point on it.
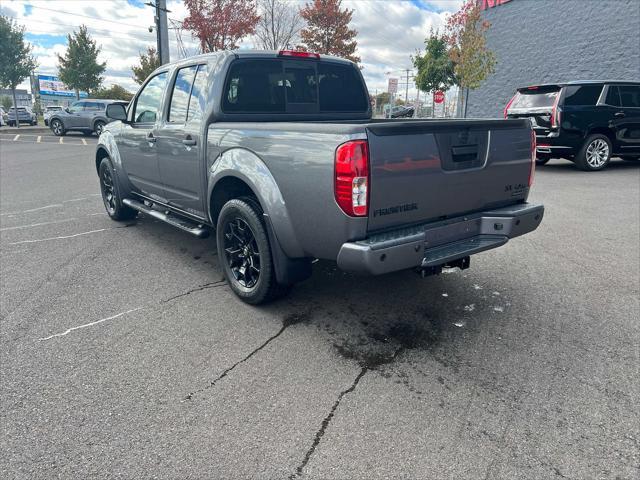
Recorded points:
(288, 321)
(206, 286)
(327, 420)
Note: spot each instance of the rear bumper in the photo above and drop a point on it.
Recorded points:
(556, 144)
(439, 243)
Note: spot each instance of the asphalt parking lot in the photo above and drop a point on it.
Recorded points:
(124, 353)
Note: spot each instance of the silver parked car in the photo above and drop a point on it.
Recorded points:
(25, 115)
(86, 116)
(50, 110)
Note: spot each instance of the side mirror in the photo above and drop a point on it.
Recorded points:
(66, 109)
(116, 111)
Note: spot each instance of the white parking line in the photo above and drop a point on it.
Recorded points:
(61, 142)
(16, 137)
(39, 139)
(84, 142)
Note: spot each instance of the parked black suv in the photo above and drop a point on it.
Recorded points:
(586, 122)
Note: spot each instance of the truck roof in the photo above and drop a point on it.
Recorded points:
(242, 53)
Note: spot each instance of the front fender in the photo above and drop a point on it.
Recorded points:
(248, 167)
(107, 143)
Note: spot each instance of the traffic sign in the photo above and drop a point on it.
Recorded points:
(438, 96)
(393, 85)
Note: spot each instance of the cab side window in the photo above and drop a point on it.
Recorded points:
(180, 95)
(198, 99)
(147, 108)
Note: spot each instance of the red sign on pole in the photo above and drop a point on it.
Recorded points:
(438, 96)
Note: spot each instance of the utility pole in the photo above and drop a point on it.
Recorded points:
(162, 30)
(406, 92)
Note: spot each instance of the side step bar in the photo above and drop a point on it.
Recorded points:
(188, 226)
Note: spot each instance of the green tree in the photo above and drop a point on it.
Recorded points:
(465, 35)
(114, 92)
(435, 69)
(16, 61)
(79, 68)
(149, 61)
(6, 102)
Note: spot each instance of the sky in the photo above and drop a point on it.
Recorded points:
(389, 32)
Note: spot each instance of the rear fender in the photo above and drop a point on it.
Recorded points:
(249, 168)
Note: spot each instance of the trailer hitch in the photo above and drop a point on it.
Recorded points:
(461, 263)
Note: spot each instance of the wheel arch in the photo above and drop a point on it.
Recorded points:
(101, 153)
(607, 132)
(239, 172)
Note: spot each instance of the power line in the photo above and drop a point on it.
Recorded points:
(85, 16)
(68, 25)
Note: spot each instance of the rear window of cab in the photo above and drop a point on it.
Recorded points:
(535, 98)
(285, 86)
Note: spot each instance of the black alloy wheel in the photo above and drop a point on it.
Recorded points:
(108, 191)
(242, 252)
(111, 193)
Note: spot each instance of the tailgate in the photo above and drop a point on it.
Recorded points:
(430, 170)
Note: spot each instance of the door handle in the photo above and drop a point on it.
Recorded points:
(151, 138)
(189, 141)
(619, 114)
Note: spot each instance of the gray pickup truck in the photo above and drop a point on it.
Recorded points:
(277, 153)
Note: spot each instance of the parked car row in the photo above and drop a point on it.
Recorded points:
(585, 122)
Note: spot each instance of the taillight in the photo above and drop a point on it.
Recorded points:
(352, 178)
(297, 54)
(555, 114)
(532, 168)
(506, 109)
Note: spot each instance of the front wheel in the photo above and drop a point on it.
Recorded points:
(542, 160)
(244, 252)
(57, 128)
(98, 127)
(111, 196)
(595, 154)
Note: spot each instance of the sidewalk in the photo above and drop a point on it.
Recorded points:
(26, 130)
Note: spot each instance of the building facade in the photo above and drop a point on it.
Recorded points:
(548, 41)
(23, 98)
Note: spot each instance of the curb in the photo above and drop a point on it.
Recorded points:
(25, 130)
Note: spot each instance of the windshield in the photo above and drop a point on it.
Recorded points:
(535, 99)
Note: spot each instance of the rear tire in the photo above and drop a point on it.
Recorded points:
(245, 253)
(542, 161)
(595, 154)
(57, 127)
(111, 196)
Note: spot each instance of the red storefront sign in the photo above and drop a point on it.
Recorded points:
(484, 4)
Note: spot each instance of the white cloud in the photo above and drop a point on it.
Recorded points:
(389, 32)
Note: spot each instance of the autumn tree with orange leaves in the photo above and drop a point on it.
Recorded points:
(220, 24)
(327, 29)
